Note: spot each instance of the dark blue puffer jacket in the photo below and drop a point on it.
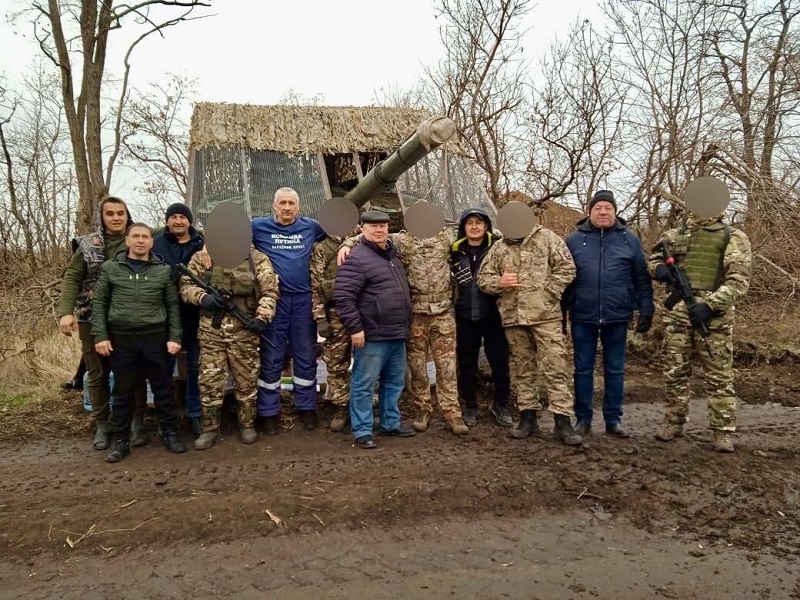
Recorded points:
(612, 279)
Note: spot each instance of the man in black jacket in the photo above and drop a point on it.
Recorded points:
(176, 245)
(374, 303)
(477, 319)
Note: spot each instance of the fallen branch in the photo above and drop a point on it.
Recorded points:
(583, 494)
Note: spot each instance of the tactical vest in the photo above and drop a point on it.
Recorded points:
(240, 282)
(330, 248)
(700, 252)
(92, 246)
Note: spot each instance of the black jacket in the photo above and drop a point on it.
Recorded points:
(471, 303)
(172, 252)
(372, 294)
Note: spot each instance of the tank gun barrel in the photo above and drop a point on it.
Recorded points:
(431, 133)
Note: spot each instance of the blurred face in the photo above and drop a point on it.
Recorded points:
(115, 218)
(603, 215)
(475, 229)
(286, 208)
(178, 225)
(139, 242)
(377, 233)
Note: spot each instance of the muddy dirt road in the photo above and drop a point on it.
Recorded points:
(427, 517)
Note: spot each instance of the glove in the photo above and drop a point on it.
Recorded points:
(661, 273)
(699, 314)
(209, 302)
(256, 326)
(644, 323)
(324, 329)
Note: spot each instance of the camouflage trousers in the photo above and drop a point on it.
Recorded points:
(679, 342)
(231, 348)
(336, 353)
(539, 352)
(439, 333)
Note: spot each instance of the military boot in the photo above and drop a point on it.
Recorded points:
(248, 434)
(563, 431)
(172, 442)
(670, 431)
(139, 434)
(528, 425)
(456, 424)
(339, 419)
(421, 421)
(122, 448)
(723, 442)
(206, 439)
(102, 437)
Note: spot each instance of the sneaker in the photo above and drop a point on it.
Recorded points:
(421, 421)
(723, 442)
(456, 425)
(669, 432)
(339, 419)
(502, 415)
(470, 416)
(309, 418)
(400, 431)
(366, 442)
(271, 426)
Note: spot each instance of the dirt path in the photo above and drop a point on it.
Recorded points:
(416, 518)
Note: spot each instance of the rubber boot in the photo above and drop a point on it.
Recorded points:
(528, 425)
(102, 436)
(139, 434)
(206, 439)
(122, 448)
(172, 442)
(563, 431)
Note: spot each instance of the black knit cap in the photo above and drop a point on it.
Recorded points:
(603, 196)
(179, 208)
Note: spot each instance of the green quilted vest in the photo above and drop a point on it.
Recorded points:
(700, 252)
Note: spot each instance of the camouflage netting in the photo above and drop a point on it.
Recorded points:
(303, 129)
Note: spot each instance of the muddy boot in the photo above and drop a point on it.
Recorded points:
(271, 426)
(669, 432)
(421, 421)
(528, 425)
(102, 437)
(122, 448)
(456, 425)
(248, 435)
(206, 439)
(723, 442)
(172, 442)
(563, 431)
(339, 419)
(139, 434)
(470, 416)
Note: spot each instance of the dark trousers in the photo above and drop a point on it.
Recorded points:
(134, 359)
(469, 335)
(584, 342)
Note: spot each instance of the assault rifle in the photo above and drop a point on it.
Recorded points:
(680, 289)
(223, 297)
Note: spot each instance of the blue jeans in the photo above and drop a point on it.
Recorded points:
(192, 347)
(377, 360)
(584, 341)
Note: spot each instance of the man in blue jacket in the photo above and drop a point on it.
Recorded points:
(287, 239)
(611, 283)
(176, 245)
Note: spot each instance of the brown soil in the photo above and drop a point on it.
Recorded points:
(480, 516)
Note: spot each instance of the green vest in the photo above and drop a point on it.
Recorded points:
(240, 282)
(700, 252)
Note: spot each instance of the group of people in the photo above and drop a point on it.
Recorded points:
(385, 303)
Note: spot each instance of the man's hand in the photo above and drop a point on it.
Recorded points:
(358, 339)
(67, 325)
(210, 303)
(324, 329)
(342, 255)
(644, 323)
(173, 348)
(256, 326)
(205, 258)
(103, 348)
(699, 314)
(509, 280)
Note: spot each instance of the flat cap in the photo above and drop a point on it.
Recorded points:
(375, 216)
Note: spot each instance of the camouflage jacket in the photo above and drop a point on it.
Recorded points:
(427, 265)
(736, 269)
(266, 294)
(323, 275)
(544, 267)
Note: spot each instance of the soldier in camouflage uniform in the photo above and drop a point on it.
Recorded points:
(716, 259)
(233, 346)
(433, 325)
(529, 276)
(337, 349)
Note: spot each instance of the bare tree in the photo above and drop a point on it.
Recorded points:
(82, 72)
